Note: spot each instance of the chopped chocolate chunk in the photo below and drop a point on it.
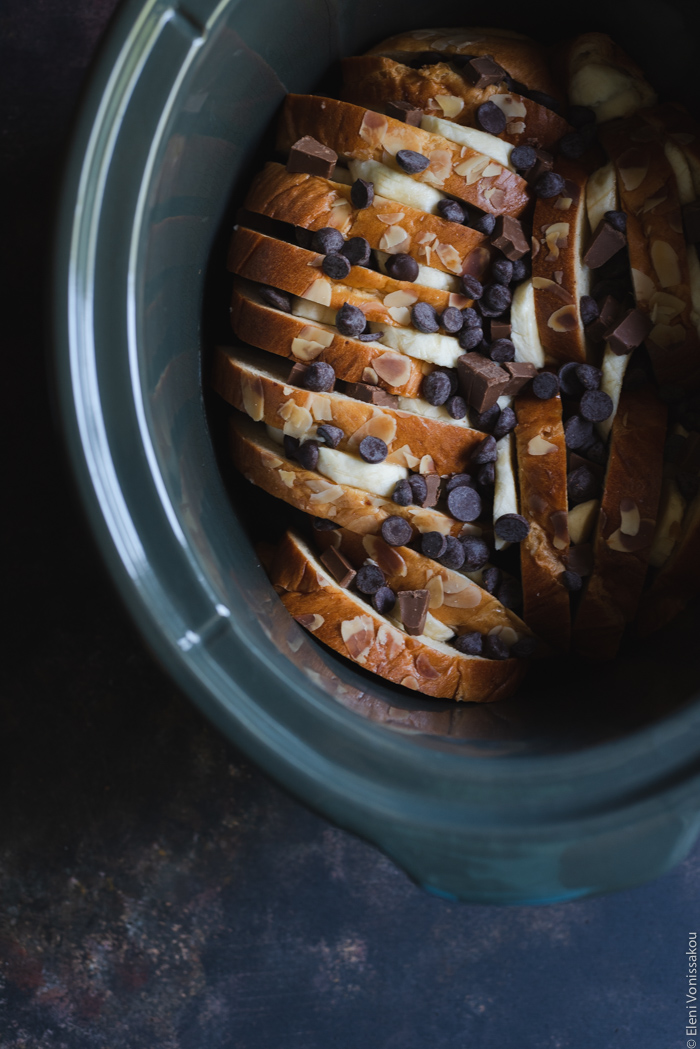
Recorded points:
(451, 319)
(588, 309)
(362, 194)
(493, 648)
(616, 219)
(577, 116)
(502, 351)
(450, 210)
(481, 381)
(396, 531)
(486, 476)
(369, 579)
(589, 377)
(436, 388)
(384, 600)
(319, 377)
(629, 332)
(322, 524)
(484, 224)
(413, 605)
(691, 222)
(502, 271)
(544, 162)
(458, 481)
(500, 329)
(453, 554)
(362, 391)
(470, 338)
(350, 320)
(510, 593)
(485, 451)
(512, 528)
(307, 455)
(545, 385)
(573, 145)
(424, 317)
(523, 648)
(482, 72)
(327, 240)
(330, 435)
(411, 162)
(571, 581)
(279, 300)
(578, 432)
(490, 579)
(509, 238)
(373, 450)
(433, 484)
(472, 287)
(608, 315)
(606, 242)
(357, 251)
(338, 566)
(490, 118)
(520, 373)
(549, 184)
(336, 266)
(506, 423)
(311, 157)
(290, 445)
(402, 267)
(582, 485)
(456, 406)
(433, 544)
(419, 488)
(469, 644)
(596, 406)
(296, 375)
(476, 553)
(404, 111)
(522, 158)
(569, 382)
(403, 493)
(464, 503)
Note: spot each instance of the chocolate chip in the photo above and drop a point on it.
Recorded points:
(424, 317)
(490, 579)
(362, 391)
(482, 72)
(596, 406)
(350, 320)
(577, 116)
(450, 210)
(357, 251)
(401, 267)
(588, 309)
(472, 287)
(470, 338)
(502, 271)
(486, 475)
(484, 224)
(411, 162)
(330, 435)
(404, 111)
(336, 266)
(362, 194)
(469, 644)
(506, 423)
(571, 581)
(512, 528)
(327, 240)
(307, 455)
(510, 593)
(582, 485)
(451, 374)
(476, 553)
(597, 453)
(550, 184)
(497, 297)
(485, 451)
(471, 318)
(522, 157)
(396, 531)
(414, 610)
(578, 432)
(616, 219)
(569, 382)
(319, 377)
(502, 350)
(322, 524)
(419, 487)
(433, 544)
(605, 243)
(369, 579)
(491, 118)
(522, 268)
(573, 145)
(311, 157)
(384, 600)
(290, 445)
(508, 237)
(370, 336)
(435, 387)
(453, 554)
(464, 503)
(456, 406)
(451, 320)
(545, 385)
(458, 481)
(403, 493)
(279, 300)
(373, 450)
(589, 377)
(494, 648)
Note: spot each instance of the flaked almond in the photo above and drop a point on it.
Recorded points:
(665, 261)
(340, 214)
(321, 408)
(380, 425)
(515, 127)
(404, 457)
(469, 597)
(556, 236)
(358, 635)
(633, 166)
(425, 668)
(297, 420)
(450, 105)
(287, 477)
(458, 301)
(327, 496)
(510, 105)
(430, 521)
(253, 394)
(400, 298)
(644, 286)
(305, 350)
(491, 170)
(536, 245)
(400, 314)
(559, 521)
(563, 203)
(496, 197)
(477, 262)
(436, 630)
(440, 167)
(390, 640)
(581, 520)
(630, 517)
(435, 589)
(629, 544)
(542, 283)
(319, 291)
(539, 446)
(410, 682)
(314, 334)
(310, 620)
(427, 465)
(472, 168)
(664, 307)
(387, 557)
(667, 335)
(393, 368)
(273, 462)
(390, 218)
(370, 376)
(564, 319)
(449, 257)
(373, 128)
(506, 634)
(394, 240)
(651, 203)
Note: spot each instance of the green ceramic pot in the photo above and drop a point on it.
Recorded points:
(585, 782)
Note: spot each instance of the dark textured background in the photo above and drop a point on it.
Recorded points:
(157, 891)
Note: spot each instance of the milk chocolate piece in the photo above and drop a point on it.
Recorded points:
(413, 605)
(362, 391)
(338, 566)
(606, 242)
(481, 381)
(432, 484)
(483, 71)
(311, 157)
(500, 329)
(296, 375)
(520, 374)
(509, 238)
(691, 222)
(607, 318)
(629, 332)
(405, 112)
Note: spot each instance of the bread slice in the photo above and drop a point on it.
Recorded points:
(456, 600)
(356, 133)
(559, 237)
(263, 462)
(314, 203)
(630, 502)
(258, 386)
(678, 581)
(349, 625)
(295, 338)
(541, 455)
(601, 76)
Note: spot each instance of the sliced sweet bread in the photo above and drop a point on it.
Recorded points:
(602, 77)
(678, 580)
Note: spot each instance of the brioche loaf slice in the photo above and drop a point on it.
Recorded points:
(259, 388)
(314, 203)
(295, 338)
(626, 523)
(263, 462)
(559, 277)
(541, 455)
(350, 626)
(455, 599)
(602, 77)
(678, 581)
(356, 133)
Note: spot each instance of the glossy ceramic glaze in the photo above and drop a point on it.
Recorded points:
(587, 781)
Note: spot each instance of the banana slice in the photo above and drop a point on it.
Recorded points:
(601, 194)
(505, 497)
(419, 406)
(313, 311)
(436, 630)
(524, 332)
(614, 367)
(427, 275)
(489, 145)
(377, 478)
(668, 524)
(437, 349)
(395, 186)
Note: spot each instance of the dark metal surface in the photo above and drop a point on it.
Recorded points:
(155, 890)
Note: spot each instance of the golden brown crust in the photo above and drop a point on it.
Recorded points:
(263, 463)
(360, 134)
(634, 474)
(351, 627)
(677, 582)
(259, 389)
(541, 453)
(559, 279)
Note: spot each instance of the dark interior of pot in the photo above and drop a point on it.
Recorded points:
(219, 134)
